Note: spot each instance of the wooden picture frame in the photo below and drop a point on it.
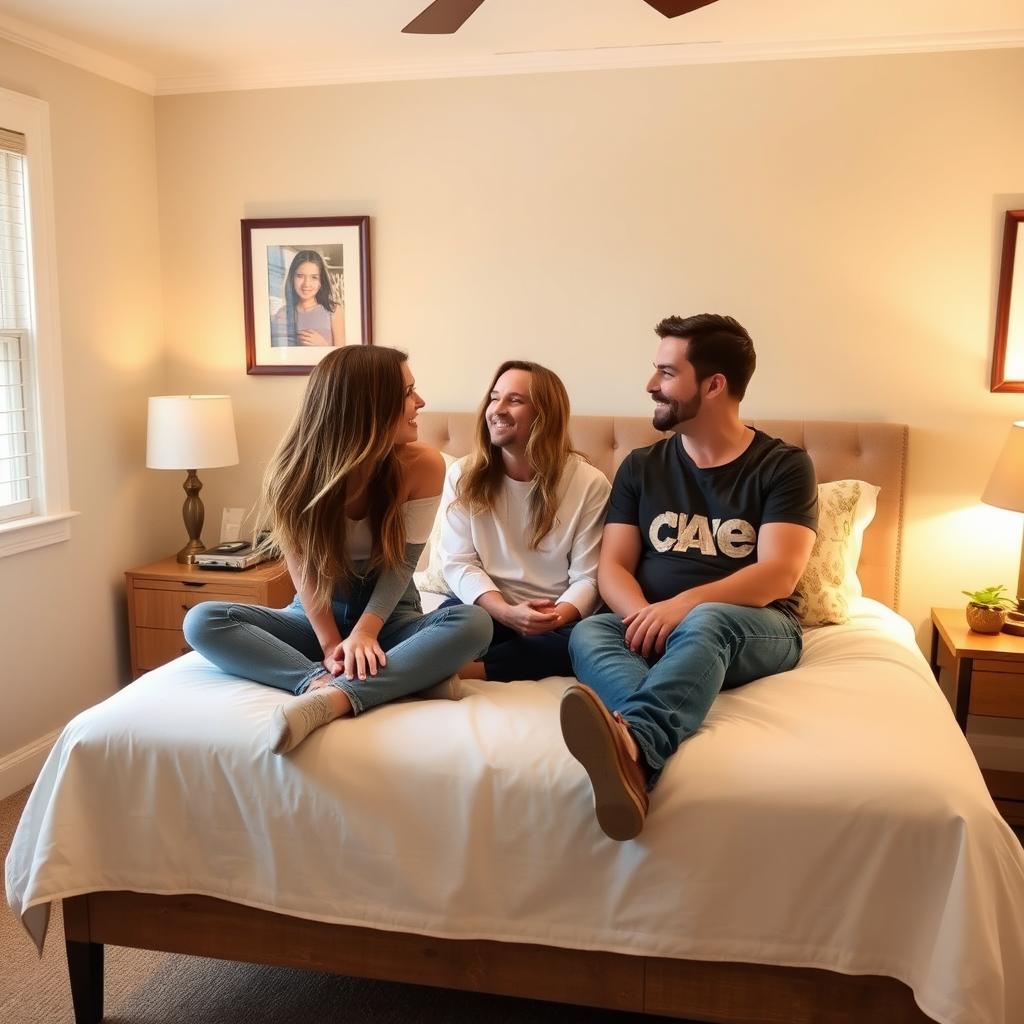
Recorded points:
(306, 289)
(1008, 350)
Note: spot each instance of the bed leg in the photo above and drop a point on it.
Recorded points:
(85, 971)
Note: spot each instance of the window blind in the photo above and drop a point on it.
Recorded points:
(18, 462)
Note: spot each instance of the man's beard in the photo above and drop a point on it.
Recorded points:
(675, 412)
(502, 440)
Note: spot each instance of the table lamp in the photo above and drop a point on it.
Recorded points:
(191, 432)
(1005, 488)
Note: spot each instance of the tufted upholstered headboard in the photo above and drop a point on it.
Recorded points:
(876, 452)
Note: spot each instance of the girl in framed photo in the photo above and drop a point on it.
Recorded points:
(310, 316)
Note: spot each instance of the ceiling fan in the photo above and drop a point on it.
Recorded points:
(443, 17)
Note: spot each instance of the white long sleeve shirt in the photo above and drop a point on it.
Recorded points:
(490, 551)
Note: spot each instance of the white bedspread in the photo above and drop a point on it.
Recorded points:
(830, 817)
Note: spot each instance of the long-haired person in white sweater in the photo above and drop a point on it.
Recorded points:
(349, 497)
(522, 525)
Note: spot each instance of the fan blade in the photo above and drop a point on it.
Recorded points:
(442, 17)
(673, 8)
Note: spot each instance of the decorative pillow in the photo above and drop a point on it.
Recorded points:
(845, 508)
(429, 577)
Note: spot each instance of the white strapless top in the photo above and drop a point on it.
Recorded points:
(419, 518)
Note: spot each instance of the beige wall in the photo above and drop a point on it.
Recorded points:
(847, 211)
(62, 621)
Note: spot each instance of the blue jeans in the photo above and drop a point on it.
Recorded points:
(514, 656)
(280, 648)
(665, 699)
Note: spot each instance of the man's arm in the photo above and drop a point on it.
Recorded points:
(465, 574)
(782, 553)
(620, 555)
(584, 553)
(461, 566)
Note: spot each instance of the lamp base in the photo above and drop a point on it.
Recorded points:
(193, 514)
(1020, 580)
(187, 555)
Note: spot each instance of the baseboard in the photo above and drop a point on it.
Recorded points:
(20, 768)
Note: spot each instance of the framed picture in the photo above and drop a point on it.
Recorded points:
(306, 284)
(1008, 351)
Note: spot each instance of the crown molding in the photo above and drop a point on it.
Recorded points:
(540, 62)
(69, 52)
(668, 55)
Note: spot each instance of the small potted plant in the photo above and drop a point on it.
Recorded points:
(986, 611)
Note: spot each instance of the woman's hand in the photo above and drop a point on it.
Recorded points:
(334, 660)
(310, 338)
(358, 652)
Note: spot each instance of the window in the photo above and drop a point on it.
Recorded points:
(34, 506)
(19, 475)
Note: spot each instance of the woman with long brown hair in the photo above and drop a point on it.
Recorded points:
(349, 498)
(522, 526)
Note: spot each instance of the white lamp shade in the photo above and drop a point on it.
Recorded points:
(191, 432)
(1006, 484)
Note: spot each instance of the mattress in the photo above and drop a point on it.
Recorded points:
(830, 817)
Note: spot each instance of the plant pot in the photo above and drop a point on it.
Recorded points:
(984, 619)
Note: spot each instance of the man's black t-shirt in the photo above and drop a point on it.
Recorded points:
(699, 525)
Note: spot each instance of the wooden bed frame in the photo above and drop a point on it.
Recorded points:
(729, 993)
(696, 990)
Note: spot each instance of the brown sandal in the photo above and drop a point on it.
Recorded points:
(596, 741)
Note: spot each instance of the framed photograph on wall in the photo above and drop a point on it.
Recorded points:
(306, 283)
(1008, 350)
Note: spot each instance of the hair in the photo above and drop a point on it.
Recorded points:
(717, 344)
(323, 295)
(548, 451)
(346, 423)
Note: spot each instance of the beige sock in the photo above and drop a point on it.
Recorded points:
(293, 721)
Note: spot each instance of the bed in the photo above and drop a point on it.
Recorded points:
(823, 850)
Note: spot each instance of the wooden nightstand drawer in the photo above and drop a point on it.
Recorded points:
(156, 647)
(160, 595)
(1002, 666)
(997, 694)
(234, 584)
(166, 609)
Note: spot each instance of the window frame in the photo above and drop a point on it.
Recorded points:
(49, 522)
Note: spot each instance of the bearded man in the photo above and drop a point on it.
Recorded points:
(706, 537)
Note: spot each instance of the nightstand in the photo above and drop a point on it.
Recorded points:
(160, 594)
(988, 672)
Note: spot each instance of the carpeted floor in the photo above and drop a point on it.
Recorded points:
(161, 988)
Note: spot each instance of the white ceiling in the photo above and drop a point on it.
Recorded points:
(168, 46)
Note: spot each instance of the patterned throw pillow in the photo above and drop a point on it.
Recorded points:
(429, 578)
(845, 508)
